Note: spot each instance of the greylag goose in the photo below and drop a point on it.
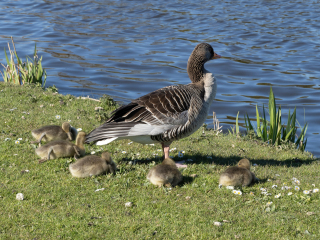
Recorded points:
(93, 165)
(165, 173)
(239, 175)
(62, 148)
(167, 114)
(54, 132)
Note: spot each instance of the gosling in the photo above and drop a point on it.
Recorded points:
(239, 175)
(62, 148)
(93, 165)
(54, 132)
(165, 173)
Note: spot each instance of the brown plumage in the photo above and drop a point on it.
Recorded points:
(62, 148)
(54, 132)
(165, 173)
(93, 165)
(239, 175)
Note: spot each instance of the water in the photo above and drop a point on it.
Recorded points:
(129, 48)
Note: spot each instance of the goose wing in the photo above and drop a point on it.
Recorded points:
(151, 114)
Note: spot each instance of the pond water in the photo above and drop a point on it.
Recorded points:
(129, 48)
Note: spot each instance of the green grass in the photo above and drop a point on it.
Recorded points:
(57, 205)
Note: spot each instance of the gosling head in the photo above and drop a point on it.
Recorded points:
(244, 163)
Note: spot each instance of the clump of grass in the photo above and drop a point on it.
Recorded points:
(273, 131)
(20, 73)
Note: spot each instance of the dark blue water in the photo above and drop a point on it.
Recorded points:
(129, 48)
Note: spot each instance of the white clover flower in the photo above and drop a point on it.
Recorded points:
(217, 223)
(268, 204)
(296, 188)
(19, 196)
(315, 190)
(278, 195)
(123, 152)
(306, 191)
(17, 142)
(274, 186)
(19, 139)
(180, 154)
(58, 117)
(93, 152)
(289, 193)
(230, 187)
(79, 129)
(100, 189)
(130, 143)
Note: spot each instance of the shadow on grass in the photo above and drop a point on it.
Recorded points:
(230, 161)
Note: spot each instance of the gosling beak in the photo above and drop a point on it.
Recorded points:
(215, 56)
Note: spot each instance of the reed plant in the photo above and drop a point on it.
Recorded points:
(273, 131)
(18, 72)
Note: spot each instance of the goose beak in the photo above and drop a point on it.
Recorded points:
(215, 56)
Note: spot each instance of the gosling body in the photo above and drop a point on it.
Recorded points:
(62, 148)
(165, 173)
(54, 132)
(239, 175)
(93, 165)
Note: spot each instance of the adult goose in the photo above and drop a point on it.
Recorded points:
(167, 114)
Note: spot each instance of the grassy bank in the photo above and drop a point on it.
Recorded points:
(57, 205)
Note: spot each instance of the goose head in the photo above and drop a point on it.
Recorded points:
(201, 54)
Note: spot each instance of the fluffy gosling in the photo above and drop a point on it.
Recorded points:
(61, 148)
(239, 175)
(92, 165)
(165, 173)
(54, 132)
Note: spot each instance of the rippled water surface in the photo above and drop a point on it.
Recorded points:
(129, 48)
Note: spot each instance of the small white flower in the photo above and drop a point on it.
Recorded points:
(79, 129)
(26, 170)
(7, 139)
(274, 186)
(123, 152)
(269, 180)
(152, 144)
(17, 142)
(306, 191)
(277, 175)
(237, 192)
(128, 204)
(315, 190)
(19, 139)
(264, 193)
(296, 188)
(293, 179)
(180, 154)
(159, 150)
(130, 143)
(289, 193)
(230, 187)
(297, 181)
(220, 185)
(93, 152)
(251, 193)
(268, 204)
(217, 223)
(69, 120)
(58, 117)
(263, 189)
(138, 154)
(100, 189)
(19, 196)
(278, 195)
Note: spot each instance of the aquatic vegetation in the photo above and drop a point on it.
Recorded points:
(20, 73)
(273, 131)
